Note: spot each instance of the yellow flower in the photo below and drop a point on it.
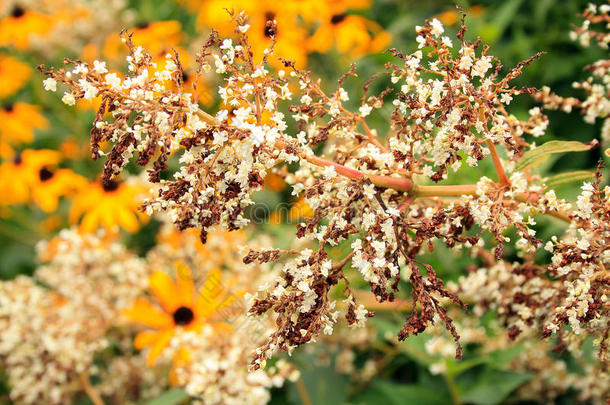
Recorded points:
(181, 308)
(19, 121)
(275, 182)
(53, 184)
(299, 210)
(450, 17)
(32, 176)
(189, 66)
(352, 34)
(13, 75)
(19, 175)
(18, 28)
(154, 37)
(111, 205)
(72, 148)
(290, 36)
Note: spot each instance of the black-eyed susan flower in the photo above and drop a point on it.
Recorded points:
(351, 34)
(109, 205)
(53, 184)
(20, 174)
(451, 17)
(181, 308)
(18, 28)
(289, 36)
(190, 80)
(19, 121)
(154, 37)
(13, 75)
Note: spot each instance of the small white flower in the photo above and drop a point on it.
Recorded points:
(50, 84)
(329, 172)
(506, 98)
(99, 67)
(437, 27)
(68, 99)
(113, 81)
(365, 110)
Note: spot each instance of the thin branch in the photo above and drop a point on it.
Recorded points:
(302, 390)
(502, 177)
(93, 395)
(444, 191)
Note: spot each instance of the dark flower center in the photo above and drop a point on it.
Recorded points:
(337, 18)
(9, 107)
(185, 77)
(18, 11)
(270, 28)
(18, 160)
(45, 174)
(110, 186)
(183, 316)
(143, 25)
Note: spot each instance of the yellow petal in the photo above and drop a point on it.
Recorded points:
(90, 221)
(146, 339)
(184, 284)
(127, 219)
(147, 314)
(165, 290)
(160, 345)
(209, 294)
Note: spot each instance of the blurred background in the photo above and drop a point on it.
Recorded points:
(48, 180)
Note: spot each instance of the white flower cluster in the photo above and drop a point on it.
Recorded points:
(217, 373)
(464, 93)
(597, 86)
(50, 335)
(46, 342)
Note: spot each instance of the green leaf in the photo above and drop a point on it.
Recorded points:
(505, 14)
(502, 358)
(387, 392)
(536, 156)
(492, 387)
(414, 346)
(172, 396)
(323, 384)
(569, 177)
(455, 367)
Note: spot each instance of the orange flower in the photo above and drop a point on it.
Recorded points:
(19, 121)
(13, 75)
(19, 175)
(188, 76)
(181, 308)
(299, 210)
(451, 17)
(155, 37)
(352, 34)
(53, 184)
(21, 25)
(72, 148)
(111, 205)
(275, 182)
(289, 36)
